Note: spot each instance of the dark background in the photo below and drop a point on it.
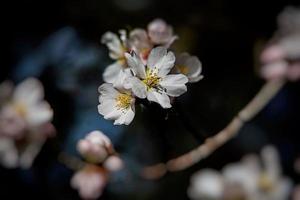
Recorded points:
(226, 35)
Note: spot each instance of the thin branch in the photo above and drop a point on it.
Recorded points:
(263, 97)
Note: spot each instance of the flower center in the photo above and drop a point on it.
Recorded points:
(183, 69)
(123, 101)
(20, 109)
(265, 183)
(122, 62)
(151, 80)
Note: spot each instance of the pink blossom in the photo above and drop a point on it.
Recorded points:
(161, 33)
(89, 181)
(113, 163)
(95, 147)
(281, 59)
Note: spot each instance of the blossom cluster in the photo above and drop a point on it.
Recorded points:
(25, 122)
(144, 68)
(246, 179)
(281, 58)
(97, 149)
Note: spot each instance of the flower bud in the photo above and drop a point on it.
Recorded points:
(95, 147)
(89, 181)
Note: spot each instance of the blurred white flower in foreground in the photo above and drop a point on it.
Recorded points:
(281, 58)
(153, 81)
(24, 122)
(245, 180)
(95, 147)
(206, 184)
(91, 179)
(189, 66)
(117, 103)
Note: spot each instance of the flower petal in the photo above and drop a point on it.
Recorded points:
(136, 64)
(29, 92)
(114, 45)
(174, 84)
(136, 85)
(125, 118)
(160, 98)
(8, 153)
(108, 91)
(160, 32)
(192, 62)
(122, 80)
(109, 111)
(39, 114)
(139, 40)
(112, 71)
(195, 79)
(162, 60)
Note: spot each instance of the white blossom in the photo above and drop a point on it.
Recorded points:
(189, 66)
(116, 103)
(153, 81)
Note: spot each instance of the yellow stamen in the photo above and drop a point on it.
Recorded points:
(265, 183)
(123, 101)
(151, 80)
(183, 69)
(20, 109)
(122, 62)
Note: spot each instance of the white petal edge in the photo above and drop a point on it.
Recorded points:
(160, 98)
(136, 64)
(174, 84)
(112, 71)
(161, 59)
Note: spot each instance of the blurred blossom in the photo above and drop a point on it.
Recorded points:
(90, 181)
(24, 122)
(117, 48)
(189, 66)
(281, 58)
(161, 33)
(139, 40)
(289, 20)
(206, 184)
(244, 180)
(95, 147)
(113, 163)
